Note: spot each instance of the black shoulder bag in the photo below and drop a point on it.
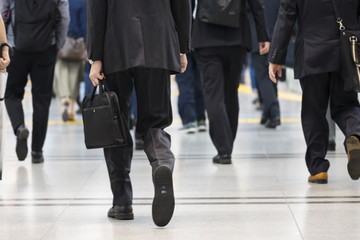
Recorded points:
(220, 12)
(104, 126)
(349, 54)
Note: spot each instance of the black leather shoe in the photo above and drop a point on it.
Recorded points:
(272, 123)
(22, 134)
(222, 159)
(37, 157)
(164, 201)
(121, 212)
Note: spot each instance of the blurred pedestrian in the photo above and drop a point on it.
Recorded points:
(38, 34)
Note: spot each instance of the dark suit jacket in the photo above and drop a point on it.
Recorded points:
(317, 42)
(138, 33)
(209, 35)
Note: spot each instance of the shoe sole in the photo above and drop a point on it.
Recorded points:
(319, 181)
(21, 144)
(190, 130)
(353, 152)
(122, 216)
(202, 129)
(223, 162)
(37, 160)
(164, 202)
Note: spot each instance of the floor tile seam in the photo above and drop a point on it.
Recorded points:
(185, 157)
(67, 205)
(183, 201)
(295, 220)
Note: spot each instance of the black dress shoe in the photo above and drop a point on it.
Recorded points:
(22, 134)
(37, 157)
(164, 201)
(222, 159)
(272, 123)
(121, 212)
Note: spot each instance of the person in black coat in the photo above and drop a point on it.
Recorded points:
(267, 90)
(143, 40)
(220, 52)
(317, 65)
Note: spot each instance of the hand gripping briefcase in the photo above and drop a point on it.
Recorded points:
(104, 126)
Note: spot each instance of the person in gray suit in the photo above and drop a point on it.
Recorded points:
(317, 65)
(144, 41)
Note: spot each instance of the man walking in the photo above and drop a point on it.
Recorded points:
(317, 65)
(36, 32)
(143, 41)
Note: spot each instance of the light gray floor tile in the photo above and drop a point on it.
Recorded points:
(263, 195)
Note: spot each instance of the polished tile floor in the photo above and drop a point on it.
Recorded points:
(263, 195)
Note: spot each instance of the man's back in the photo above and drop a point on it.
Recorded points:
(317, 43)
(139, 33)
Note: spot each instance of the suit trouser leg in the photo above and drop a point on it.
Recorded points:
(214, 81)
(331, 123)
(15, 87)
(186, 99)
(154, 114)
(267, 88)
(233, 59)
(345, 109)
(198, 92)
(315, 126)
(118, 160)
(42, 78)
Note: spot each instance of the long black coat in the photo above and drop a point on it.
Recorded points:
(317, 42)
(209, 35)
(138, 33)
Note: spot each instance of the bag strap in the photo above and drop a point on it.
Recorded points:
(339, 20)
(102, 89)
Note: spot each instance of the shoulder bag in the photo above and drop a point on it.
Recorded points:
(349, 54)
(220, 12)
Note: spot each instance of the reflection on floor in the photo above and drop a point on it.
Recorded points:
(264, 194)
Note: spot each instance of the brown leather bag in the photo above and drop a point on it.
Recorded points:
(73, 50)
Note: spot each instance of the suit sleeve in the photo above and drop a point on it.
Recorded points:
(181, 12)
(96, 26)
(257, 8)
(283, 30)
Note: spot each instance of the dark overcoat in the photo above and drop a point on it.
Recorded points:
(317, 42)
(126, 34)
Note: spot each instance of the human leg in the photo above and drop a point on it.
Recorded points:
(316, 132)
(118, 159)
(271, 109)
(154, 114)
(186, 99)
(15, 88)
(345, 111)
(211, 66)
(42, 76)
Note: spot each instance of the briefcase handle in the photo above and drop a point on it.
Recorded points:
(103, 88)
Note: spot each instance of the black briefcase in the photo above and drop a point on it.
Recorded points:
(104, 126)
